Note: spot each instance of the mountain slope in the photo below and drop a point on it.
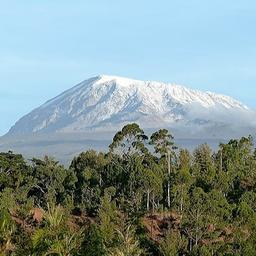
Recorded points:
(105, 103)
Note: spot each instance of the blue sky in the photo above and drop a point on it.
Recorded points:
(49, 46)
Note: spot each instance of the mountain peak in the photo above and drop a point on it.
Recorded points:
(118, 79)
(108, 102)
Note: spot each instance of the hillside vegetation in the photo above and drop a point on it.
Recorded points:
(143, 197)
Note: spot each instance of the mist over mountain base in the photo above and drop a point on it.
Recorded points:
(64, 146)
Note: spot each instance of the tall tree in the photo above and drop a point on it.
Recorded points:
(50, 181)
(163, 144)
(89, 170)
(203, 165)
(130, 140)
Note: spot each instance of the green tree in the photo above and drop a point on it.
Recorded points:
(203, 167)
(164, 145)
(7, 229)
(56, 237)
(196, 221)
(50, 182)
(93, 244)
(182, 181)
(180, 190)
(89, 169)
(130, 140)
(173, 244)
(127, 244)
(109, 218)
(15, 180)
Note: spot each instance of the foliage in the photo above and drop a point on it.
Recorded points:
(143, 197)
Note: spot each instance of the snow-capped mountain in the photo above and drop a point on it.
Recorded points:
(89, 114)
(105, 103)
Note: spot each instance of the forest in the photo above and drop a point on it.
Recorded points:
(144, 196)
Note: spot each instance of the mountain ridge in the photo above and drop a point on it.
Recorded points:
(107, 102)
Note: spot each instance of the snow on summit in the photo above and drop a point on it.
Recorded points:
(108, 102)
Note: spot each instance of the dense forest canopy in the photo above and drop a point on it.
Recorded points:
(143, 197)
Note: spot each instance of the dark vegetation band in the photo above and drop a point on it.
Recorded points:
(144, 196)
